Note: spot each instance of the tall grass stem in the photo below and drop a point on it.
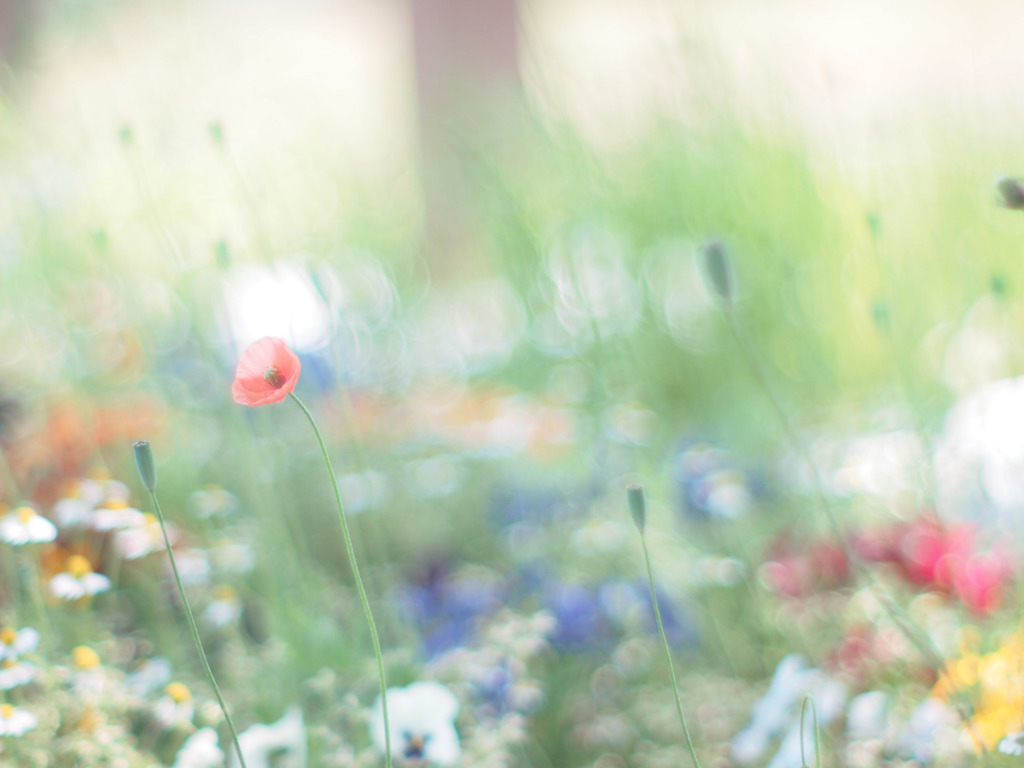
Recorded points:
(195, 631)
(356, 577)
(668, 651)
(809, 699)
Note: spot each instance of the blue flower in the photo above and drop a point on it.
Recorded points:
(629, 603)
(710, 484)
(580, 621)
(447, 608)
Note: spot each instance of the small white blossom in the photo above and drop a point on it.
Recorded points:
(115, 514)
(73, 512)
(15, 673)
(421, 719)
(15, 722)
(231, 557)
(78, 580)
(142, 538)
(284, 740)
(213, 501)
(225, 609)
(200, 750)
(1012, 744)
(14, 644)
(78, 508)
(26, 526)
(193, 566)
(150, 675)
(175, 708)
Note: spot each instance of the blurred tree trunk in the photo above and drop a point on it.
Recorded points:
(467, 70)
(15, 23)
(463, 46)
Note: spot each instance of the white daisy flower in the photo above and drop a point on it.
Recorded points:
(232, 557)
(93, 491)
(24, 526)
(78, 580)
(148, 676)
(193, 565)
(15, 722)
(76, 509)
(142, 538)
(89, 677)
(1012, 744)
(421, 718)
(116, 514)
(213, 501)
(16, 643)
(15, 673)
(73, 512)
(200, 750)
(283, 741)
(175, 708)
(225, 609)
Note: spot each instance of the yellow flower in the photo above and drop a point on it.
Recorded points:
(85, 657)
(995, 683)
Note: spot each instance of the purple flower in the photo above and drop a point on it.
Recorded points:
(580, 621)
(447, 609)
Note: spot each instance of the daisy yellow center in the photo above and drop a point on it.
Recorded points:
(25, 514)
(116, 504)
(178, 692)
(6, 711)
(226, 593)
(8, 636)
(85, 657)
(78, 566)
(150, 519)
(274, 377)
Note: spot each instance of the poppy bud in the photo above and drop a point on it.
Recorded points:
(637, 506)
(146, 464)
(1011, 193)
(718, 270)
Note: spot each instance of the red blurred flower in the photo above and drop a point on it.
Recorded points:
(923, 555)
(267, 373)
(931, 554)
(799, 570)
(944, 558)
(979, 582)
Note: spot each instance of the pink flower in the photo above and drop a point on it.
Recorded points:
(979, 582)
(267, 373)
(931, 554)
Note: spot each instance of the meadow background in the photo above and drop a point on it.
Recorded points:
(482, 232)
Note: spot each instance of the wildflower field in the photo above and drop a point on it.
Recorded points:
(537, 449)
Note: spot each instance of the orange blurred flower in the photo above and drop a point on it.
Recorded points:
(267, 373)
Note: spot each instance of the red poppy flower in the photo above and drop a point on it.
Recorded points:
(267, 373)
(979, 583)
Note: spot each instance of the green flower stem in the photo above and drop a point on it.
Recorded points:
(195, 631)
(668, 653)
(808, 699)
(356, 577)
